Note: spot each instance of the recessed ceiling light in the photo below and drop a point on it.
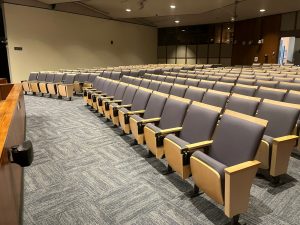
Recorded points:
(262, 10)
(232, 19)
(128, 10)
(228, 28)
(183, 30)
(172, 6)
(177, 21)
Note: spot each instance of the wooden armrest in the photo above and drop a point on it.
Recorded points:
(136, 112)
(238, 182)
(198, 145)
(170, 130)
(281, 151)
(67, 85)
(124, 106)
(151, 120)
(285, 138)
(115, 101)
(106, 97)
(242, 166)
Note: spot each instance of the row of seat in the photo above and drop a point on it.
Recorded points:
(243, 104)
(156, 117)
(170, 84)
(62, 84)
(283, 83)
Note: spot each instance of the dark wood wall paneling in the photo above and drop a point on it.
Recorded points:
(267, 28)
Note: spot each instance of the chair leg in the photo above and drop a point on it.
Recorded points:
(25, 92)
(234, 220)
(59, 97)
(168, 171)
(149, 155)
(275, 181)
(70, 98)
(195, 192)
(133, 143)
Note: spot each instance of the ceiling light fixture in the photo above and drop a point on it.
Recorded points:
(262, 10)
(172, 6)
(128, 10)
(228, 28)
(183, 30)
(177, 21)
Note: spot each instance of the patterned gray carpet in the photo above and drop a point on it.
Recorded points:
(85, 173)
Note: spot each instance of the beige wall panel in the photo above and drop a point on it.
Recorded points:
(181, 50)
(202, 51)
(191, 51)
(191, 61)
(52, 40)
(171, 51)
(171, 61)
(213, 60)
(214, 50)
(180, 61)
(162, 52)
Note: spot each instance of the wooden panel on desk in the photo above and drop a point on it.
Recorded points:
(3, 80)
(5, 90)
(12, 132)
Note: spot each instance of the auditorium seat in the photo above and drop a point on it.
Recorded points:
(228, 79)
(170, 122)
(289, 86)
(52, 87)
(136, 73)
(215, 98)
(125, 102)
(270, 93)
(34, 85)
(115, 75)
(198, 127)
(108, 93)
(178, 90)
(145, 83)
(170, 79)
(154, 85)
(26, 83)
(137, 107)
(43, 85)
(226, 169)
(106, 74)
(223, 86)
(117, 97)
(80, 79)
(213, 78)
(277, 144)
(152, 114)
(165, 87)
(266, 83)
(89, 82)
(99, 81)
(191, 82)
(243, 104)
(207, 84)
(243, 89)
(136, 81)
(160, 78)
(246, 81)
(66, 89)
(195, 93)
(127, 79)
(179, 80)
(283, 79)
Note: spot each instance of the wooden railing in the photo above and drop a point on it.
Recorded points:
(12, 132)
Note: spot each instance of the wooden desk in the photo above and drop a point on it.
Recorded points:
(12, 132)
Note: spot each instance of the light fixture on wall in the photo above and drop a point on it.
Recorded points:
(177, 21)
(172, 6)
(128, 10)
(260, 41)
(262, 10)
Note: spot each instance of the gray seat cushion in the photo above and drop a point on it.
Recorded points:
(242, 105)
(177, 140)
(153, 127)
(137, 118)
(155, 106)
(216, 165)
